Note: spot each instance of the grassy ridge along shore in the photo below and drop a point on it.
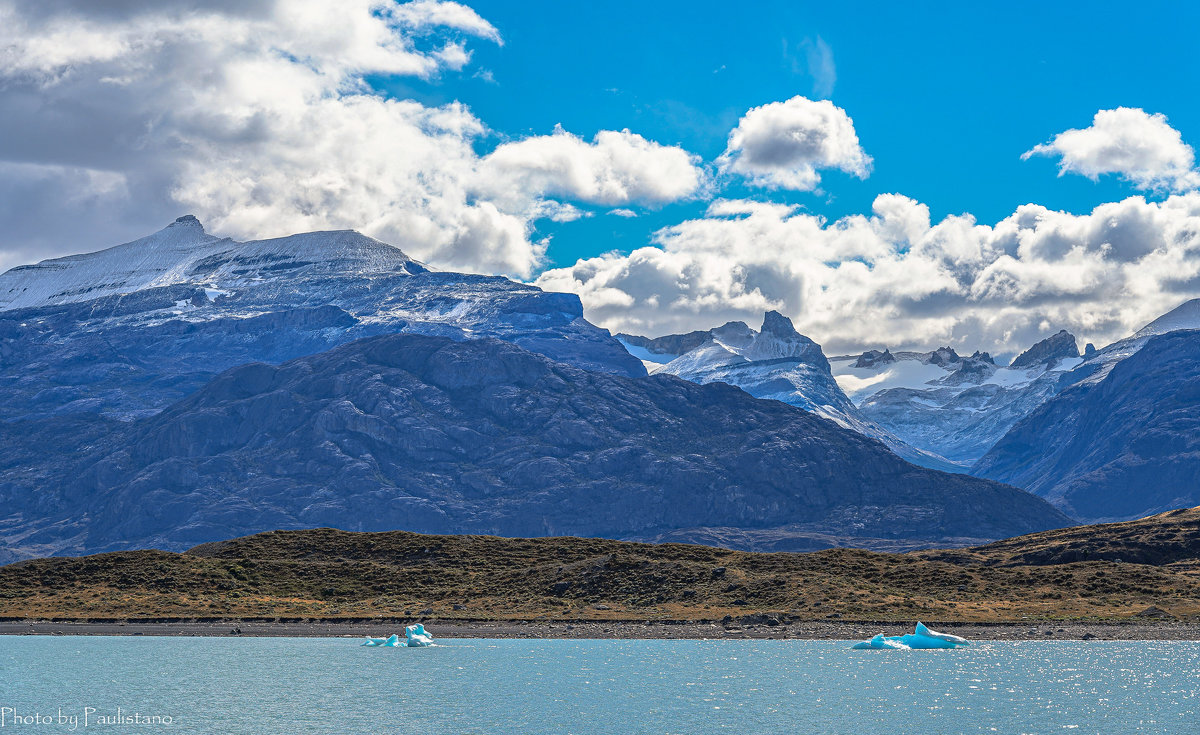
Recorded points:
(1138, 570)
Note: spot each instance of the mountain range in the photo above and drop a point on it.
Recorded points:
(1106, 435)
(1121, 442)
(776, 362)
(182, 387)
(428, 434)
(937, 409)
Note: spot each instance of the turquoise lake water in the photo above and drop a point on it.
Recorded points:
(327, 685)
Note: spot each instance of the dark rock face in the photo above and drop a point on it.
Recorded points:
(874, 358)
(943, 357)
(1051, 349)
(973, 370)
(1122, 447)
(427, 434)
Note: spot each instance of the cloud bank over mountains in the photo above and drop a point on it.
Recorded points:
(260, 117)
(894, 278)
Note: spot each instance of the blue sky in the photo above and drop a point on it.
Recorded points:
(945, 96)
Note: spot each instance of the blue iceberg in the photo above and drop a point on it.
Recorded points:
(922, 637)
(415, 636)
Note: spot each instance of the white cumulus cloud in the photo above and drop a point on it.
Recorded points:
(615, 168)
(784, 145)
(1142, 148)
(894, 278)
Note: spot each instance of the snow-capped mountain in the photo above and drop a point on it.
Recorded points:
(126, 330)
(777, 363)
(950, 405)
(1099, 363)
(185, 388)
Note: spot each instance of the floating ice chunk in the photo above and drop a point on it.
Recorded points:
(880, 642)
(417, 636)
(922, 630)
(922, 637)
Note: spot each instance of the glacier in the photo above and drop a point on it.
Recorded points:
(954, 406)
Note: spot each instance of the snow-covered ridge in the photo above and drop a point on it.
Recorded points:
(1099, 364)
(912, 371)
(1184, 316)
(183, 252)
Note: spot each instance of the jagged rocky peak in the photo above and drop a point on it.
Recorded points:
(778, 325)
(1048, 351)
(187, 220)
(982, 357)
(1089, 350)
(943, 356)
(874, 358)
(776, 339)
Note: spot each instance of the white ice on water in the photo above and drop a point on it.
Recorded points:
(415, 636)
(922, 637)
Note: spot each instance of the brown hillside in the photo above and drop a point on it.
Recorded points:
(1110, 571)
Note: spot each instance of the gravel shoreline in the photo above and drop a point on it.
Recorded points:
(591, 629)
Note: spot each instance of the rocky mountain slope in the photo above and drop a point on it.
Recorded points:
(125, 331)
(1123, 441)
(429, 434)
(776, 363)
